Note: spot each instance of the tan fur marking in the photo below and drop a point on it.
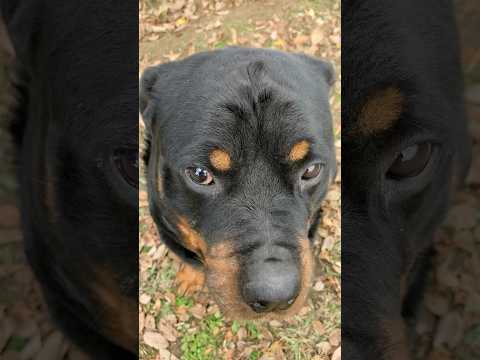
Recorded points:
(220, 160)
(381, 111)
(192, 239)
(222, 279)
(395, 339)
(118, 313)
(189, 279)
(307, 266)
(299, 151)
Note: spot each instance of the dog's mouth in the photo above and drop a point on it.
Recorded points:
(240, 299)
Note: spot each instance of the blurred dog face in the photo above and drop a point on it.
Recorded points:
(240, 156)
(78, 165)
(405, 147)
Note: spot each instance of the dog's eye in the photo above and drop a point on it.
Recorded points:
(411, 161)
(126, 162)
(312, 171)
(199, 175)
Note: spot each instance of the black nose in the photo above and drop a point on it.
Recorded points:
(271, 285)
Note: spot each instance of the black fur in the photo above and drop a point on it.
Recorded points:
(255, 104)
(389, 224)
(78, 96)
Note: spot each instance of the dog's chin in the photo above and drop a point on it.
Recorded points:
(238, 310)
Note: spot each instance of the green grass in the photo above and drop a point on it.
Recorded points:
(235, 327)
(255, 355)
(146, 352)
(165, 309)
(203, 344)
(221, 44)
(184, 301)
(16, 343)
(157, 280)
(252, 331)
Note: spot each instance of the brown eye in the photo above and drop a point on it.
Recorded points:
(411, 161)
(200, 176)
(312, 172)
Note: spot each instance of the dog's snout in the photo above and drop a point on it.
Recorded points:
(271, 285)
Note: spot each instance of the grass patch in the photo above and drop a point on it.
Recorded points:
(203, 343)
(255, 355)
(252, 331)
(235, 327)
(16, 343)
(157, 280)
(146, 352)
(183, 301)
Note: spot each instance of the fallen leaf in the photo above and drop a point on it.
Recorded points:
(155, 340)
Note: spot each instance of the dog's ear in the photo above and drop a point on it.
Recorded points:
(147, 82)
(320, 67)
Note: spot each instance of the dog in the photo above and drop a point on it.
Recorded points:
(240, 154)
(76, 131)
(405, 149)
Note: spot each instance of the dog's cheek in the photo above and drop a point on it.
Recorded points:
(117, 313)
(50, 197)
(307, 270)
(223, 281)
(192, 240)
(393, 338)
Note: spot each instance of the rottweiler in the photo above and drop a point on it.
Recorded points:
(405, 148)
(75, 123)
(240, 154)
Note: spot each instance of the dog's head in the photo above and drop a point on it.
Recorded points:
(240, 156)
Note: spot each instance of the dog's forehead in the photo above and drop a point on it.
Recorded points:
(232, 99)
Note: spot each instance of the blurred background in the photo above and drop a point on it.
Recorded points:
(192, 328)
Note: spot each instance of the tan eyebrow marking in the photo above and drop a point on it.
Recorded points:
(299, 151)
(220, 160)
(381, 111)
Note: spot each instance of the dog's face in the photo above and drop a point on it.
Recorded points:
(241, 155)
(405, 148)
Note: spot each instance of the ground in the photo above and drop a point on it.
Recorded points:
(192, 328)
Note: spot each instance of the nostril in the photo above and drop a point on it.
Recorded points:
(260, 306)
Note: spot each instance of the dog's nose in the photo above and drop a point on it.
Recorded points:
(271, 286)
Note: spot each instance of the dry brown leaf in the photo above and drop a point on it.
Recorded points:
(155, 340)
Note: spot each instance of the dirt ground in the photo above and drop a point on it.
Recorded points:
(191, 328)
